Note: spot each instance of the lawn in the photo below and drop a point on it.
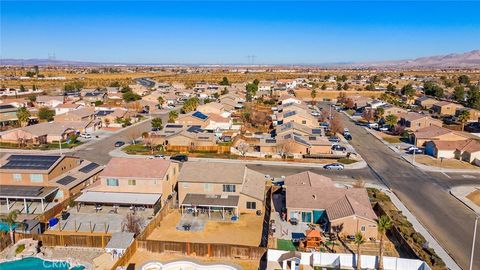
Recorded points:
(283, 244)
(49, 146)
(346, 161)
(392, 139)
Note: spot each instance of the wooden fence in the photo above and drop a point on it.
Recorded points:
(212, 149)
(95, 241)
(127, 256)
(155, 222)
(52, 212)
(4, 240)
(203, 249)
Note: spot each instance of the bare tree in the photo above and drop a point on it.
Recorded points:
(258, 118)
(150, 142)
(243, 148)
(368, 115)
(133, 134)
(107, 122)
(335, 125)
(132, 223)
(285, 148)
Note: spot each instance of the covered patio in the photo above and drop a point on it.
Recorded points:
(118, 199)
(211, 205)
(33, 199)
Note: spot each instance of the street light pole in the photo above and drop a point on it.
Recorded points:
(473, 243)
(414, 150)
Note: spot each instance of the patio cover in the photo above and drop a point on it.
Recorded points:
(25, 192)
(119, 198)
(210, 200)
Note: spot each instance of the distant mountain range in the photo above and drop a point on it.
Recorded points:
(455, 60)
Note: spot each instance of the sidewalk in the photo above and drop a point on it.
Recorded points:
(357, 165)
(449, 262)
(461, 193)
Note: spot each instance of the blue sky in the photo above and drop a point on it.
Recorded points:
(224, 32)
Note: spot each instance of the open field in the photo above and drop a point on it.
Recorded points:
(246, 231)
(475, 197)
(304, 94)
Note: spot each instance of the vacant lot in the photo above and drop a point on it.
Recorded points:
(305, 94)
(246, 231)
(475, 197)
(446, 163)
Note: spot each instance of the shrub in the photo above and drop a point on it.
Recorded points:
(20, 249)
(346, 160)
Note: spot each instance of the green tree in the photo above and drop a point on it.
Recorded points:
(37, 72)
(22, 88)
(391, 88)
(126, 89)
(383, 225)
(391, 120)
(130, 96)
(463, 117)
(10, 220)
(172, 116)
(161, 101)
(339, 86)
(370, 87)
(98, 103)
(23, 116)
(473, 97)
(34, 87)
(432, 89)
(313, 95)
(46, 114)
(224, 91)
(224, 81)
(359, 241)
(157, 123)
(464, 79)
(190, 105)
(324, 87)
(256, 82)
(114, 84)
(343, 78)
(346, 86)
(379, 112)
(459, 93)
(408, 90)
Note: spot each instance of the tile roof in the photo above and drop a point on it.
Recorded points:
(431, 132)
(136, 167)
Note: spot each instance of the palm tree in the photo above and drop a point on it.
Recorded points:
(161, 101)
(172, 116)
(10, 220)
(463, 117)
(359, 241)
(383, 225)
(313, 94)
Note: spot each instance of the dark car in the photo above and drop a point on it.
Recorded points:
(119, 143)
(334, 139)
(337, 147)
(347, 136)
(181, 158)
(416, 151)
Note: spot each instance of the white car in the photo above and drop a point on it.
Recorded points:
(334, 166)
(383, 129)
(411, 148)
(345, 130)
(86, 135)
(373, 125)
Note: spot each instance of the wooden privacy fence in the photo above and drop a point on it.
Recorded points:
(52, 212)
(95, 241)
(203, 249)
(122, 261)
(156, 220)
(4, 240)
(212, 148)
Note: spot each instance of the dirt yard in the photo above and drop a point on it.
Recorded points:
(246, 231)
(474, 197)
(446, 163)
(142, 256)
(305, 94)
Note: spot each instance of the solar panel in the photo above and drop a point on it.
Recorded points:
(270, 141)
(288, 136)
(316, 131)
(89, 167)
(30, 162)
(200, 115)
(195, 129)
(173, 126)
(300, 140)
(66, 180)
(312, 138)
(28, 191)
(288, 114)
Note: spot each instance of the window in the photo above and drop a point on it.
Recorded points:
(307, 217)
(304, 122)
(132, 182)
(362, 228)
(228, 188)
(207, 187)
(17, 177)
(113, 182)
(36, 178)
(251, 205)
(168, 177)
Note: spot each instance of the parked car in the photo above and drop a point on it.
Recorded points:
(86, 135)
(324, 124)
(413, 147)
(347, 136)
(384, 128)
(334, 139)
(181, 158)
(334, 166)
(119, 143)
(373, 125)
(337, 147)
(346, 130)
(416, 151)
(159, 156)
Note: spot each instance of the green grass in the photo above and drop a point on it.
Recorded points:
(285, 245)
(20, 249)
(392, 140)
(350, 112)
(346, 161)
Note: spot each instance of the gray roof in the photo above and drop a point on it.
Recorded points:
(212, 172)
(119, 198)
(211, 200)
(120, 240)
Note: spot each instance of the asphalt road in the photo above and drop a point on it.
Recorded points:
(424, 194)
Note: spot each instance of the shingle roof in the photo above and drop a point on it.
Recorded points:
(212, 172)
(431, 131)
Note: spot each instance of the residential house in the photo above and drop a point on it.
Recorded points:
(390, 109)
(425, 102)
(467, 150)
(66, 107)
(8, 113)
(41, 133)
(83, 114)
(183, 138)
(299, 117)
(473, 115)
(95, 96)
(133, 181)
(194, 118)
(436, 133)
(49, 101)
(414, 121)
(211, 107)
(220, 188)
(314, 198)
(36, 183)
(297, 146)
(445, 108)
(219, 122)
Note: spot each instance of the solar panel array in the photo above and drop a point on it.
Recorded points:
(66, 180)
(173, 126)
(25, 191)
(89, 167)
(200, 115)
(270, 141)
(30, 162)
(288, 114)
(300, 140)
(316, 131)
(195, 129)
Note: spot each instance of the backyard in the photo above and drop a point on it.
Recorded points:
(245, 231)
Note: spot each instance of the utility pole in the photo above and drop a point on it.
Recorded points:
(473, 242)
